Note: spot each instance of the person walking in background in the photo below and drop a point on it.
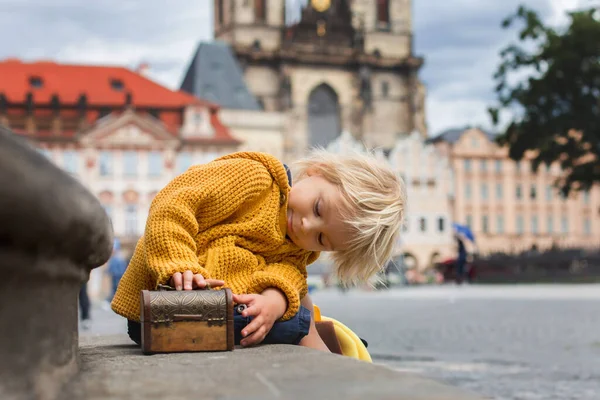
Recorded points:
(116, 269)
(461, 260)
(84, 307)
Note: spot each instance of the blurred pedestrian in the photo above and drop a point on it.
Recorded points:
(461, 260)
(116, 269)
(84, 307)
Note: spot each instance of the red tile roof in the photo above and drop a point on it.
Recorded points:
(70, 81)
(46, 78)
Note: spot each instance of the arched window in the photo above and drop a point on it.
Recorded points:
(383, 13)
(259, 10)
(323, 116)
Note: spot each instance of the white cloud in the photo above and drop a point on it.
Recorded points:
(113, 32)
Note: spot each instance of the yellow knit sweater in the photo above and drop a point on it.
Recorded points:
(225, 220)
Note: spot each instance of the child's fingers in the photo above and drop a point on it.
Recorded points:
(251, 311)
(188, 278)
(256, 338)
(198, 281)
(252, 327)
(214, 282)
(177, 280)
(244, 298)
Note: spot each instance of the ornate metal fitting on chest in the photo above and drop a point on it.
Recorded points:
(168, 306)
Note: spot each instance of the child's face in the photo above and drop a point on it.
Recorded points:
(314, 219)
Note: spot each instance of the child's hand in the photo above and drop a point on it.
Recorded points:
(189, 281)
(266, 308)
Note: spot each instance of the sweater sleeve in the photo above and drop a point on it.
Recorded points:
(193, 202)
(289, 277)
(170, 239)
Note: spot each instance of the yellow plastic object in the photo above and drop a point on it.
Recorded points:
(350, 343)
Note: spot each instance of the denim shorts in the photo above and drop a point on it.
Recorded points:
(282, 332)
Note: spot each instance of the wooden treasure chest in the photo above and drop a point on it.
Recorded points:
(186, 320)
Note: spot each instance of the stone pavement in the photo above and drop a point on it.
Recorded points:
(506, 342)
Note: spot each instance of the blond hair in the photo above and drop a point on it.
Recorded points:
(375, 200)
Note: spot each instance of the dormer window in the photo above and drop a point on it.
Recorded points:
(36, 82)
(117, 85)
(197, 118)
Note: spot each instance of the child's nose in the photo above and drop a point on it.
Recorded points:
(309, 224)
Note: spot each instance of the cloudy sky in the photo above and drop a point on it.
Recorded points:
(460, 40)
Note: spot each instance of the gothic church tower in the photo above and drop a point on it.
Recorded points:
(329, 66)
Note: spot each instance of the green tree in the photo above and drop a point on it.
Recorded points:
(555, 105)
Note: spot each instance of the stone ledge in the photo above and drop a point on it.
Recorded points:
(53, 231)
(112, 368)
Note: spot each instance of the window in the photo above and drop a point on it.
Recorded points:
(549, 193)
(198, 119)
(70, 160)
(467, 190)
(519, 192)
(484, 191)
(423, 224)
(484, 165)
(131, 219)
(441, 224)
(259, 10)
(500, 224)
(520, 225)
(405, 225)
(586, 197)
(517, 166)
(470, 221)
(36, 82)
(184, 161)
(383, 12)
(548, 168)
(154, 163)
(498, 166)
(485, 224)
(474, 142)
(587, 227)
(154, 112)
(117, 85)
(130, 163)
(385, 89)
(534, 224)
(499, 191)
(549, 224)
(564, 225)
(467, 165)
(533, 192)
(105, 163)
(563, 196)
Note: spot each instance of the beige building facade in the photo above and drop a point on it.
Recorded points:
(510, 208)
(427, 236)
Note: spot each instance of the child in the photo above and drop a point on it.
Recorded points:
(238, 222)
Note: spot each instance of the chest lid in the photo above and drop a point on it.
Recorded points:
(164, 306)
